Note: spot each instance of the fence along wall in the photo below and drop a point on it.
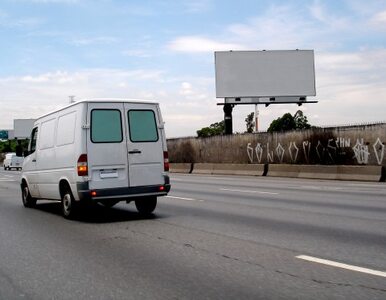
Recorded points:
(351, 145)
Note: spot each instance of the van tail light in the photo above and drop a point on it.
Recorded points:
(166, 161)
(82, 165)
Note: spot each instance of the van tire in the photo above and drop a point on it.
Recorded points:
(27, 199)
(69, 206)
(146, 206)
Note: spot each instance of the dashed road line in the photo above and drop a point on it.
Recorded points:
(341, 265)
(11, 176)
(249, 191)
(185, 199)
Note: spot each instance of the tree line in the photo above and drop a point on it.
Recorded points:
(287, 122)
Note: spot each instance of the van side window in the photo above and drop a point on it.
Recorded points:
(34, 137)
(106, 126)
(142, 126)
(47, 134)
(65, 133)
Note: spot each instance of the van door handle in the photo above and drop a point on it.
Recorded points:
(135, 151)
(34, 160)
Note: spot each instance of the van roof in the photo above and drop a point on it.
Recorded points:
(116, 100)
(99, 100)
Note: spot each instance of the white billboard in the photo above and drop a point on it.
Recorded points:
(22, 128)
(278, 73)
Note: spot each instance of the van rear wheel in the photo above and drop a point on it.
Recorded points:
(146, 206)
(28, 201)
(69, 206)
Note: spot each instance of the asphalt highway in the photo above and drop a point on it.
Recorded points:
(212, 237)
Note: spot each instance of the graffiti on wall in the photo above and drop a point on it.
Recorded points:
(361, 152)
(324, 152)
(307, 150)
(379, 150)
(293, 151)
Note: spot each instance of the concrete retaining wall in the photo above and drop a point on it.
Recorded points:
(181, 168)
(229, 169)
(354, 145)
(360, 173)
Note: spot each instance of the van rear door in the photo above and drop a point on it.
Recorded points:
(144, 144)
(106, 146)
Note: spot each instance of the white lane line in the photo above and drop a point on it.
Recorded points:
(185, 199)
(249, 191)
(321, 188)
(6, 180)
(11, 176)
(177, 179)
(341, 265)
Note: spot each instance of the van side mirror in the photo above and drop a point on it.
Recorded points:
(19, 151)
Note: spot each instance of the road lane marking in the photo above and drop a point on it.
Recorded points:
(7, 180)
(185, 199)
(249, 191)
(341, 265)
(176, 179)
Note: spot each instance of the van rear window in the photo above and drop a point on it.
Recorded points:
(142, 126)
(106, 126)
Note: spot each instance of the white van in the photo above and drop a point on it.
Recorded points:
(12, 161)
(98, 151)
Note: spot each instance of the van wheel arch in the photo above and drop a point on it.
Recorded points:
(64, 186)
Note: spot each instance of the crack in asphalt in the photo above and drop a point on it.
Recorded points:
(188, 245)
(14, 286)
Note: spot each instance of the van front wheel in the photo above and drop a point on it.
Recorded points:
(146, 206)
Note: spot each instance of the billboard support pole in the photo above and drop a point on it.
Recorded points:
(228, 118)
(256, 118)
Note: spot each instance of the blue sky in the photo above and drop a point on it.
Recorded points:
(163, 50)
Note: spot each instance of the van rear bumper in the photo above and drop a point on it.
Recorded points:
(122, 193)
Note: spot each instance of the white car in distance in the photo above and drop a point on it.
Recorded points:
(12, 161)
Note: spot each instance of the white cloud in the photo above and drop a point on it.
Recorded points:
(327, 17)
(351, 85)
(379, 20)
(194, 44)
(184, 110)
(94, 41)
(186, 89)
(197, 6)
(280, 27)
(10, 22)
(51, 1)
(137, 53)
(44, 90)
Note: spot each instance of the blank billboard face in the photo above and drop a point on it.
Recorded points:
(265, 73)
